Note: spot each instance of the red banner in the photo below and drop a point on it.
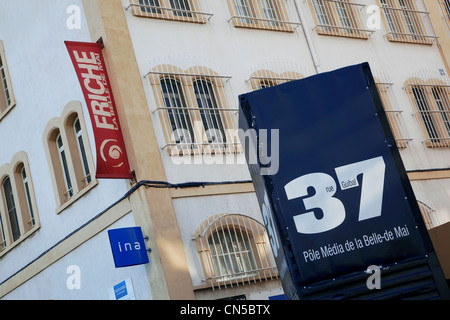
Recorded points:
(112, 160)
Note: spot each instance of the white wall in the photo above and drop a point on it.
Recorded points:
(97, 273)
(44, 81)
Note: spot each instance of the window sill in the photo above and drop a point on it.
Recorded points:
(10, 247)
(194, 18)
(255, 278)
(408, 39)
(6, 111)
(357, 34)
(262, 25)
(206, 149)
(437, 143)
(76, 196)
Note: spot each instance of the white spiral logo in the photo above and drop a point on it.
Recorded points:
(114, 152)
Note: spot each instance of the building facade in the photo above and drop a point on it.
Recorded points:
(176, 70)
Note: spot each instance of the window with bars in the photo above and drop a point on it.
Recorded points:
(431, 100)
(178, 10)
(7, 100)
(263, 14)
(234, 250)
(264, 78)
(18, 213)
(393, 114)
(195, 110)
(428, 215)
(445, 5)
(340, 18)
(405, 22)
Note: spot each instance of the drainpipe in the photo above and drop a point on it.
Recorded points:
(307, 36)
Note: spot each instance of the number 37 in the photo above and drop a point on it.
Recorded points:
(373, 171)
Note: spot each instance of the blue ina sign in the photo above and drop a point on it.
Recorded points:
(128, 246)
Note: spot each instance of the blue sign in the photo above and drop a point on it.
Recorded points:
(120, 290)
(128, 247)
(340, 200)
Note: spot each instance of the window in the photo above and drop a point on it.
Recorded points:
(339, 18)
(26, 193)
(264, 78)
(431, 100)
(209, 111)
(406, 23)
(263, 14)
(445, 5)
(69, 156)
(7, 101)
(393, 114)
(18, 211)
(177, 10)
(234, 249)
(428, 214)
(11, 209)
(195, 110)
(64, 168)
(82, 151)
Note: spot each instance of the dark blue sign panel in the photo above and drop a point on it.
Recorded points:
(338, 199)
(128, 246)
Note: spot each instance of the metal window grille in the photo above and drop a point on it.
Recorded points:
(341, 18)
(264, 78)
(234, 250)
(407, 23)
(196, 110)
(264, 14)
(393, 114)
(445, 4)
(272, 73)
(432, 110)
(429, 215)
(178, 10)
(11, 207)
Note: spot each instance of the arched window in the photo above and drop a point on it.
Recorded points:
(64, 167)
(176, 105)
(18, 211)
(195, 110)
(234, 249)
(209, 111)
(69, 155)
(82, 150)
(11, 209)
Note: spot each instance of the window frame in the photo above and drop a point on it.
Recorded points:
(264, 78)
(436, 132)
(192, 112)
(332, 10)
(393, 114)
(63, 127)
(257, 246)
(167, 10)
(445, 7)
(24, 203)
(5, 79)
(402, 11)
(256, 17)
